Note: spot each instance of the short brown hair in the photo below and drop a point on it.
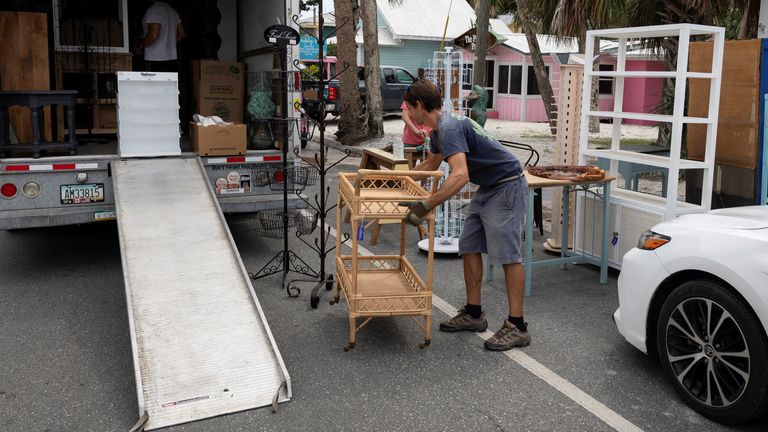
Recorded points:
(425, 92)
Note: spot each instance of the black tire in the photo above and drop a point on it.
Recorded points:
(720, 365)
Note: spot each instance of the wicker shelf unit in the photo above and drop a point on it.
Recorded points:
(382, 285)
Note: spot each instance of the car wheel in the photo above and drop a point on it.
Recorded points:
(712, 347)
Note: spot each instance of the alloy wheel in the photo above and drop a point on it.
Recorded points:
(707, 352)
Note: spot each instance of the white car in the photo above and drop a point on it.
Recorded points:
(694, 294)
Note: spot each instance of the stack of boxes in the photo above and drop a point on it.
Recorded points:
(218, 89)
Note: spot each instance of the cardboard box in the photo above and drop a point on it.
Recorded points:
(225, 140)
(219, 89)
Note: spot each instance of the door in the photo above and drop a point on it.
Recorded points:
(395, 82)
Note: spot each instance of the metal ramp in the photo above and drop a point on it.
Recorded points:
(201, 344)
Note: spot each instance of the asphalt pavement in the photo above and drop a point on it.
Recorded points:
(66, 363)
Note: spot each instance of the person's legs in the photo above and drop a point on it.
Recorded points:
(503, 224)
(471, 245)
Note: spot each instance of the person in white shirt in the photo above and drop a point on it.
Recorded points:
(162, 31)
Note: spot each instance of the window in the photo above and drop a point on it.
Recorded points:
(79, 25)
(466, 76)
(533, 84)
(490, 65)
(605, 84)
(516, 80)
(511, 80)
(389, 76)
(403, 77)
(504, 79)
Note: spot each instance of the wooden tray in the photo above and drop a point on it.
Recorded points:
(387, 285)
(375, 193)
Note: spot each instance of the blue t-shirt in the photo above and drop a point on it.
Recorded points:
(487, 160)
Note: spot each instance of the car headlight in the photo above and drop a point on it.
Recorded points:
(650, 240)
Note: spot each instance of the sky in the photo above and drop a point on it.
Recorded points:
(327, 7)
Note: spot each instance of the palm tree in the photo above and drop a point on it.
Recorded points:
(373, 101)
(542, 79)
(572, 18)
(352, 127)
(642, 12)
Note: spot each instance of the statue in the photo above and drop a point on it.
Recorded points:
(262, 111)
(479, 99)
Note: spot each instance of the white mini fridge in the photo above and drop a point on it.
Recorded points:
(148, 114)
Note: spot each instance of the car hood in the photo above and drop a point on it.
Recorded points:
(747, 218)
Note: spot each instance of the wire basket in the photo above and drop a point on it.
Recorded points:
(295, 179)
(269, 223)
(271, 130)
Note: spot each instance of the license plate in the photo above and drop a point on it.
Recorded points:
(82, 193)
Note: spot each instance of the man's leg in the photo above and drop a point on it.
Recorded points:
(514, 332)
(471, 316)
(473, 277)
(515, 279)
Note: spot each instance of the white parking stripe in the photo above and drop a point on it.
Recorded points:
(589, 403)
(610, 417)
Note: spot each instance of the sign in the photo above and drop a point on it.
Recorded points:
(309, 48)
(281, 35)
(468, 40)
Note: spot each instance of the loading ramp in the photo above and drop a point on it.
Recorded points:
(201, 344)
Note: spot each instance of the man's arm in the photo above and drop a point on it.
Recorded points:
(410, 124)
(153, 33)
(457, 178)
(431, 163)
(180, 33)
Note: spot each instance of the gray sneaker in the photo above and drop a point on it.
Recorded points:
(464, 321)
(507, 338)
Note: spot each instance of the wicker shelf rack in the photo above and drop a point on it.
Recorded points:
(382, 285)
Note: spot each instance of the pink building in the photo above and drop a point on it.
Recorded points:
(514, 94)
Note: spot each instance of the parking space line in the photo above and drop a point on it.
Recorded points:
(607, 415)
(610, 417)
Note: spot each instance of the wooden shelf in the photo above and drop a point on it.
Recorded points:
(647, 74)
(642, 158)
(656, 31)
(647, 117)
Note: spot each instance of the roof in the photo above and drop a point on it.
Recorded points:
(310, 19)
(385, 38)
(547, 44)
(425, 19)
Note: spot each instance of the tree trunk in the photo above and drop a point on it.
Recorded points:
(666, 105)
(545, 87)
(372, 71)
(352, 128)
(482, 10)
(749, 20)
(594, 121)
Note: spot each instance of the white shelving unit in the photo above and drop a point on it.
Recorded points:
(148, 114)
(632, 211)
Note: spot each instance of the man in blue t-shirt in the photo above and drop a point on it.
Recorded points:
(494, 222)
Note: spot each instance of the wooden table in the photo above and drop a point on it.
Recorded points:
(566, 256)
(36, 100)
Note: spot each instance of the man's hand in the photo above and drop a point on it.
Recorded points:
(417, 210)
